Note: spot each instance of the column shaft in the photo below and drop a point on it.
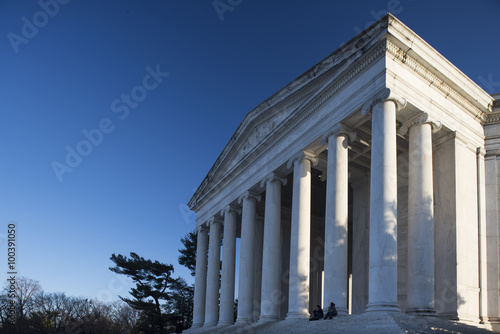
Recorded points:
(420, 222)
(228, 267)
(213, 275)
(300, 240)
(247, 267)
(382, 294)
(200, 284)
(271, 294)
(336, 224)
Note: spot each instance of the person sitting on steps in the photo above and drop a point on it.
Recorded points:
(332, 311)
(317, 313)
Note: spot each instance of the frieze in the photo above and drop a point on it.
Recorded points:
(493, 118)
(434, 80)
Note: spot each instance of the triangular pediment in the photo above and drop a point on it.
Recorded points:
(258, 129)
(278, 111)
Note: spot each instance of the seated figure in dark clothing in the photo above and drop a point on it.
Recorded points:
(332, 311)
(317, 313)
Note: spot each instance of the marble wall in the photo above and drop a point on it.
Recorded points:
(492, 199)
(402, 229)
(361, 229)
(456, 230)
(467, 231)
(445, 264)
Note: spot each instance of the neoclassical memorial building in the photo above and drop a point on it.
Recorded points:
(370, 181)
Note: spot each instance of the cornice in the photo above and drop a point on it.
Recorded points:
(434, 80)
(492, 153)
(496, 102)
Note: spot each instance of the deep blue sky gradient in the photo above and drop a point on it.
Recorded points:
(130, 192)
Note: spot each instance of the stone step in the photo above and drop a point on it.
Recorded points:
(366, 323)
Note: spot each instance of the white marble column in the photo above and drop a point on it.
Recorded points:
(420, 218)
(300, 235)
(226, 317)
(481, 218)
(271, 293)
(247, 249)
(213, 275)
(383, 258)
(200, 279)
(335, 286)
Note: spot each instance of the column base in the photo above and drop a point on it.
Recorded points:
(297, 315)
(421, 312)
(197, 325)
(340, 311)
(209, 325)
(268, 318)
(243, 322)
(449, 316)
(490, 320)
(383, 307)
(225, 323)
(493, 323)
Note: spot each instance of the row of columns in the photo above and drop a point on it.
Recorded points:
(382, 294)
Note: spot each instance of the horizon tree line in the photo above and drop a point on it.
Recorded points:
(153, 306)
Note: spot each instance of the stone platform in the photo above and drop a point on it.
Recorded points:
(366, 323)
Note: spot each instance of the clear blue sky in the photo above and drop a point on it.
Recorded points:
(85, 67)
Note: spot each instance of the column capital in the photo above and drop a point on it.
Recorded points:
(338, 130)
(249, 194)
(229, 208)
(382, 96)
(273, 177)
(214, 220)
(201, 227)
(423, 118)
(303, 155)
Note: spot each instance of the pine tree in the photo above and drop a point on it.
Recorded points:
(153, 286)
(188, 253)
